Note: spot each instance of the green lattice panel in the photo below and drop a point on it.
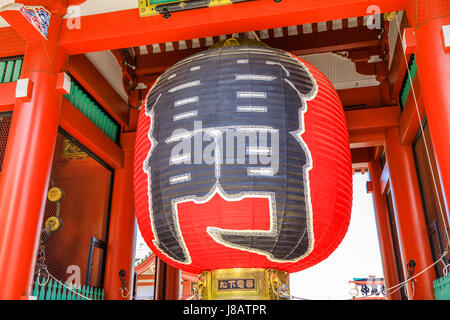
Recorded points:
(442, 288)
(10, 69)
(92, 111)
(407, 87)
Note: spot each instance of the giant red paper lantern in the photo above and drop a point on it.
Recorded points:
(242, 161)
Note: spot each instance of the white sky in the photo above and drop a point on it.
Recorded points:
(358, 255)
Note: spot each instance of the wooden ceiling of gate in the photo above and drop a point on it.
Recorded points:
(351, 38)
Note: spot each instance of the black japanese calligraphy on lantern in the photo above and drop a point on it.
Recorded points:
(221, 115)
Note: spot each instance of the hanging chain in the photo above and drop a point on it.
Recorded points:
(41, 266)
(42, 270)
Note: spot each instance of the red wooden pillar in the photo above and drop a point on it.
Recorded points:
(172, 283)
(121, 236)
(23, 184)
(409, 215)
(433, 66)
(28, 155)
(167, 281)
(384, 231)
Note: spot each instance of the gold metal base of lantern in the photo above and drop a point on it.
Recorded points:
(243, 284)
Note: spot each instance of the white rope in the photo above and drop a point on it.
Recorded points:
(286, 295)
(87, 298)
(62, 284)
(401, 284)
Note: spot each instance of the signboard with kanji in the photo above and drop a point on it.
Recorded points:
(236, 284)
(367, 288)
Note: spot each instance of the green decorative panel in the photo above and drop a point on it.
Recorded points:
(56, 290)
(442, 288)
(92, 111)
(10, 69)
(17, 70)
(404, 93)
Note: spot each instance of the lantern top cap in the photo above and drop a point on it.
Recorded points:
(244, 42)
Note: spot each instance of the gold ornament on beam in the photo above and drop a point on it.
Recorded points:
(72, 152)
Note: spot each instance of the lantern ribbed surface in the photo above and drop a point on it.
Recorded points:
(242, 161)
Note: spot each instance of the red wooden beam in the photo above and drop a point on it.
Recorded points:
(372, 120)
(338, 47)
(146, 264)
(57, 7)
(367, 127)
(125, 28)
(11, 44)
(364, 140)
(87, 133)
(35, 43)
(332, 40)
(7, 96)
(366, 97)
(146, 277)
(412, 116)
(186, 276)
(91, 79)
(361, 157)
(12, 15)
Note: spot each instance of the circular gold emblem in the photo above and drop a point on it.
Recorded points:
(53, 223)
(54, 194)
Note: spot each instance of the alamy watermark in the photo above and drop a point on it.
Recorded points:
(240, 145)
(73, 17)
(374, 19)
